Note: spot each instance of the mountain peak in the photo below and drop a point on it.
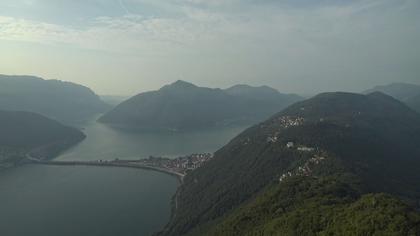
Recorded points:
(241, 86)
(183, 84)
(405, 92)
(261, 92)
(333, 101)
(187, 106)
(245, 87)
(179, 85)
(352, 109)
(401, 91)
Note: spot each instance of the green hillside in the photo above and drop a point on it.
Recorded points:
(369, 142)
(320, 206)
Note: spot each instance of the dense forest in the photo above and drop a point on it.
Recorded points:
(363, 148)
(320, 206)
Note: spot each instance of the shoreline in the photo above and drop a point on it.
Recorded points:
(174, 208)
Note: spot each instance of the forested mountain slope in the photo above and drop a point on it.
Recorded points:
(369, 143)
(320, 206)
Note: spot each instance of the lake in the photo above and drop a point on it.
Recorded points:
(107, 143)
(63, 200)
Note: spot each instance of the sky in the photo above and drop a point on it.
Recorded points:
(124, 47)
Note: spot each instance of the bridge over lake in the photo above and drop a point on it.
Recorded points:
(111, 163)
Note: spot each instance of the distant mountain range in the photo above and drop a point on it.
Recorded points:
(63, 101)
(407, 93)
(335, 164)
(25, 132)
(182, 105)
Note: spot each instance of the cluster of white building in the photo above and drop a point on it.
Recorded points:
(194, 161)
(180, 164)
(285, 122)
(289, 121)
(305, 169)
(286, 175)
(306, 149)
(300, 147)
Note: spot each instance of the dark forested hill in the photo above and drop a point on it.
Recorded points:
(24, 132)
(63, 101)
(343, 150)
(320, 206)
(182, 105)
(407, 93)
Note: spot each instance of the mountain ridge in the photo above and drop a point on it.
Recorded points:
(405, 92)
(64, 101)
(182, 105)
(369, 142)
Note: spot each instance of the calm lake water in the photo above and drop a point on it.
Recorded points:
(104, 142)
(89, 201)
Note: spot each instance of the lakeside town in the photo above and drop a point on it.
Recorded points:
(181, 165)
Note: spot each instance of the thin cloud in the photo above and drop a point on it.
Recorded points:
(271, 43)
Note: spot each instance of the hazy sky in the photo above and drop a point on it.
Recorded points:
(128, 46)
